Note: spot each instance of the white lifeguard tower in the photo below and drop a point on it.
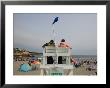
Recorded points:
(56, 61)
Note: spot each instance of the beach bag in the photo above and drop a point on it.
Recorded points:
(25, 68)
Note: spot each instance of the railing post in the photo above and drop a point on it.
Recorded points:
(57, 59)
(44, 60)
(69, 60)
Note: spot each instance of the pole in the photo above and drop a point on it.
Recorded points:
(53, 32)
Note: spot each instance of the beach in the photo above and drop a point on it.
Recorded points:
(83, 69)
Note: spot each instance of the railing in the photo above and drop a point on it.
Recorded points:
(50, 49)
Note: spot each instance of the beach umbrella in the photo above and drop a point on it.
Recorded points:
(25, 67)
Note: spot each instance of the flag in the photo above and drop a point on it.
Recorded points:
(55, 20)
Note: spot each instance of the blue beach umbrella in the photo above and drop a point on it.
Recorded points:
(24, 68)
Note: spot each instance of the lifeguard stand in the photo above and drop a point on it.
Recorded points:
(56, 57)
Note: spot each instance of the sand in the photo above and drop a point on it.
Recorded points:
(76, 71)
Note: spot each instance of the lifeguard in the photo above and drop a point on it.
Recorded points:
(64, 44)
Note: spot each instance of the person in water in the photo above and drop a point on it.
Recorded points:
(64, 44)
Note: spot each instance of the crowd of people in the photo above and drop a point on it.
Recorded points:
(89, 64)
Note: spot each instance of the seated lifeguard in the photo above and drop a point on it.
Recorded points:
(51, 43)
(64, 44)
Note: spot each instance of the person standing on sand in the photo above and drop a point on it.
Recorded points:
(75, 63)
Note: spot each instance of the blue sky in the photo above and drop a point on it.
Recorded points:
(32, 30)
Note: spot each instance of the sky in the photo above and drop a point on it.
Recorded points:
(32, 30)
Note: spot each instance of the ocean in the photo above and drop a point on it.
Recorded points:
(74, 56)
